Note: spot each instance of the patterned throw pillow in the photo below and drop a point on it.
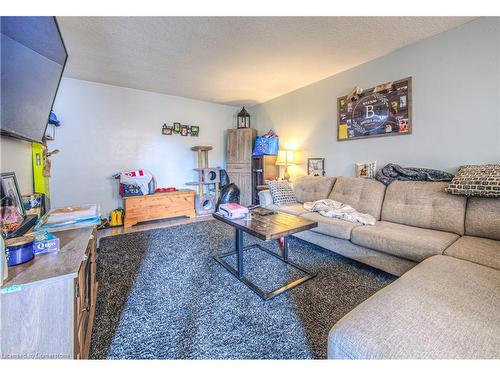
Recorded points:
(366, 170)
(282, 193)
(476, 180)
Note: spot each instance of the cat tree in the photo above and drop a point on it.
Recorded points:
(208, 182)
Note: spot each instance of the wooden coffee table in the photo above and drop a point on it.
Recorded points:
(272, 227)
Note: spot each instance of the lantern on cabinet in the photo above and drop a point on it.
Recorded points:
(243, 119)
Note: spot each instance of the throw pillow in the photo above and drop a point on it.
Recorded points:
(282, 192)
(366, 170)
(476, 180)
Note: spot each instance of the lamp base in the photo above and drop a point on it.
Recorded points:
(286, 176)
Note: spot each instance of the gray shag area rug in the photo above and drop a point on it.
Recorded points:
(162, 295)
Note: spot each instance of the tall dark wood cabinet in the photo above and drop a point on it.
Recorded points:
(264, 168)
(239, 161)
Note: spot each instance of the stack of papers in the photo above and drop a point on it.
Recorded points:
(70, 216)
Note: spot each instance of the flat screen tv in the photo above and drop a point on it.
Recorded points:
(33, 57)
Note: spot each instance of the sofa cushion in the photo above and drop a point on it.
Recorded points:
(482, 217)
(478, 250)
(425, 205)
(331, 226)
(293, 209)
(402, 240)
(363, 194)
(312, 188)
(444, 308)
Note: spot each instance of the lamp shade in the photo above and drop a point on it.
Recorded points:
(285, 157)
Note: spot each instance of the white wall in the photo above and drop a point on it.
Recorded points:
(107, 129)
(15, 156)
(456, 96)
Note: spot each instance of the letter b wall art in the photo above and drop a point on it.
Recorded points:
(378, 111)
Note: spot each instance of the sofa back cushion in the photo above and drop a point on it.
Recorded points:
(482, 217)
(312, 188)
(425, 205)
(363, 194)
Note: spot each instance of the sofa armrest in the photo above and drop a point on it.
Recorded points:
(265, 198)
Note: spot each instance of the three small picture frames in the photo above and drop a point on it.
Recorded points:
(183, 130)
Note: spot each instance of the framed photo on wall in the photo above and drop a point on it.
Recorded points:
(9, 188)
(194, 131)
(379, 111)
(316, 167)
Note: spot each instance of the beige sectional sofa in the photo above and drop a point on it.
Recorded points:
(446, 248)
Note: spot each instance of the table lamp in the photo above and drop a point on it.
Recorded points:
(286, 158)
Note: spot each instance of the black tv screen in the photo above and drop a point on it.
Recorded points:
(33, 57)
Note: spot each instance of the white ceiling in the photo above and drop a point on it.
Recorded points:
(232, 60)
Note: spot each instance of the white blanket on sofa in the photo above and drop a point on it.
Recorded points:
(331, 208)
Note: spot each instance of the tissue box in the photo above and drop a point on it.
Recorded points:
(45, 242)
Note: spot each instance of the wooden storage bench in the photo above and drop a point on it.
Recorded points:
(158, 206)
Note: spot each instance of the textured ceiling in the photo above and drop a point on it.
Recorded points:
(232, 60)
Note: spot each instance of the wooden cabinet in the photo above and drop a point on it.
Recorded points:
(47, 305)
(239, 161)
(158, 206)
(85, 299)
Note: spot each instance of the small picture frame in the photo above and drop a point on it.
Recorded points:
(10, 188)
(177, 127)
(194, 131)
(316, 166)
(166, 130)
(184, 130)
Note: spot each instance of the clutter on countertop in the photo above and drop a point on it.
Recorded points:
(33, 204)
(82, 215)
(392, 172)
(45, 242)
(19, 250)
(32, 201)
(11, 216)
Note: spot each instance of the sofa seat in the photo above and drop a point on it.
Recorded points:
(402, 240)
(293, 209)
(478, 250)
(331, 226)
(444, 308)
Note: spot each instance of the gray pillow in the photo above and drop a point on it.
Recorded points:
(282, 193)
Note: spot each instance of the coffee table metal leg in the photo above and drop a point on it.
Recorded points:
(238, 271)
(284, 248)
(239, 249)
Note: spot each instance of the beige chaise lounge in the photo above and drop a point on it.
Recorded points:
(446, 248)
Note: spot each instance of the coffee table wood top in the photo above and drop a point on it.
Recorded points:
(269, 227)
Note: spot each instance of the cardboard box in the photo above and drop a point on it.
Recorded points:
(45, 242)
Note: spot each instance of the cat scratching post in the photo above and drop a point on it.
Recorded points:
(205, 201)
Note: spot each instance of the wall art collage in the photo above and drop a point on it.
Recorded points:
(178, 128)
